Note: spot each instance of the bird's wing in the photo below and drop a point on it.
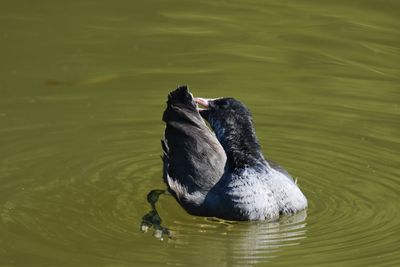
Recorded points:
(193, 158)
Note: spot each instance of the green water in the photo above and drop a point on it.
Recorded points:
(83, 86)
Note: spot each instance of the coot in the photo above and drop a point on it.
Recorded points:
(222, 172)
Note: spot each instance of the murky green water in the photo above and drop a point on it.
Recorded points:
(83, 87)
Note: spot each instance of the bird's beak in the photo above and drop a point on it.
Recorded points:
(202, 102)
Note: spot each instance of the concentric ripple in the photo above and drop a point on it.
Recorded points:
(352, 191)
(69, 196)
(82, 195)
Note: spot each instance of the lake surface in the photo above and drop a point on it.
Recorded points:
(83, 86)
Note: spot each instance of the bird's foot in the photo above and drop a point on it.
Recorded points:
(153, 219)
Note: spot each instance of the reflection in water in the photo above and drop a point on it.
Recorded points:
(257, 241)
(226, 243)
(249, 242)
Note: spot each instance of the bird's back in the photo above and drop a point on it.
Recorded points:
(193, 158)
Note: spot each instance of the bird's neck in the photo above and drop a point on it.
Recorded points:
(241, 146)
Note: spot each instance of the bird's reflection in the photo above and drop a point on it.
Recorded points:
(216, 242)
(221, 243)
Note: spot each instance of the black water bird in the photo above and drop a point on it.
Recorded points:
(222, 172)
